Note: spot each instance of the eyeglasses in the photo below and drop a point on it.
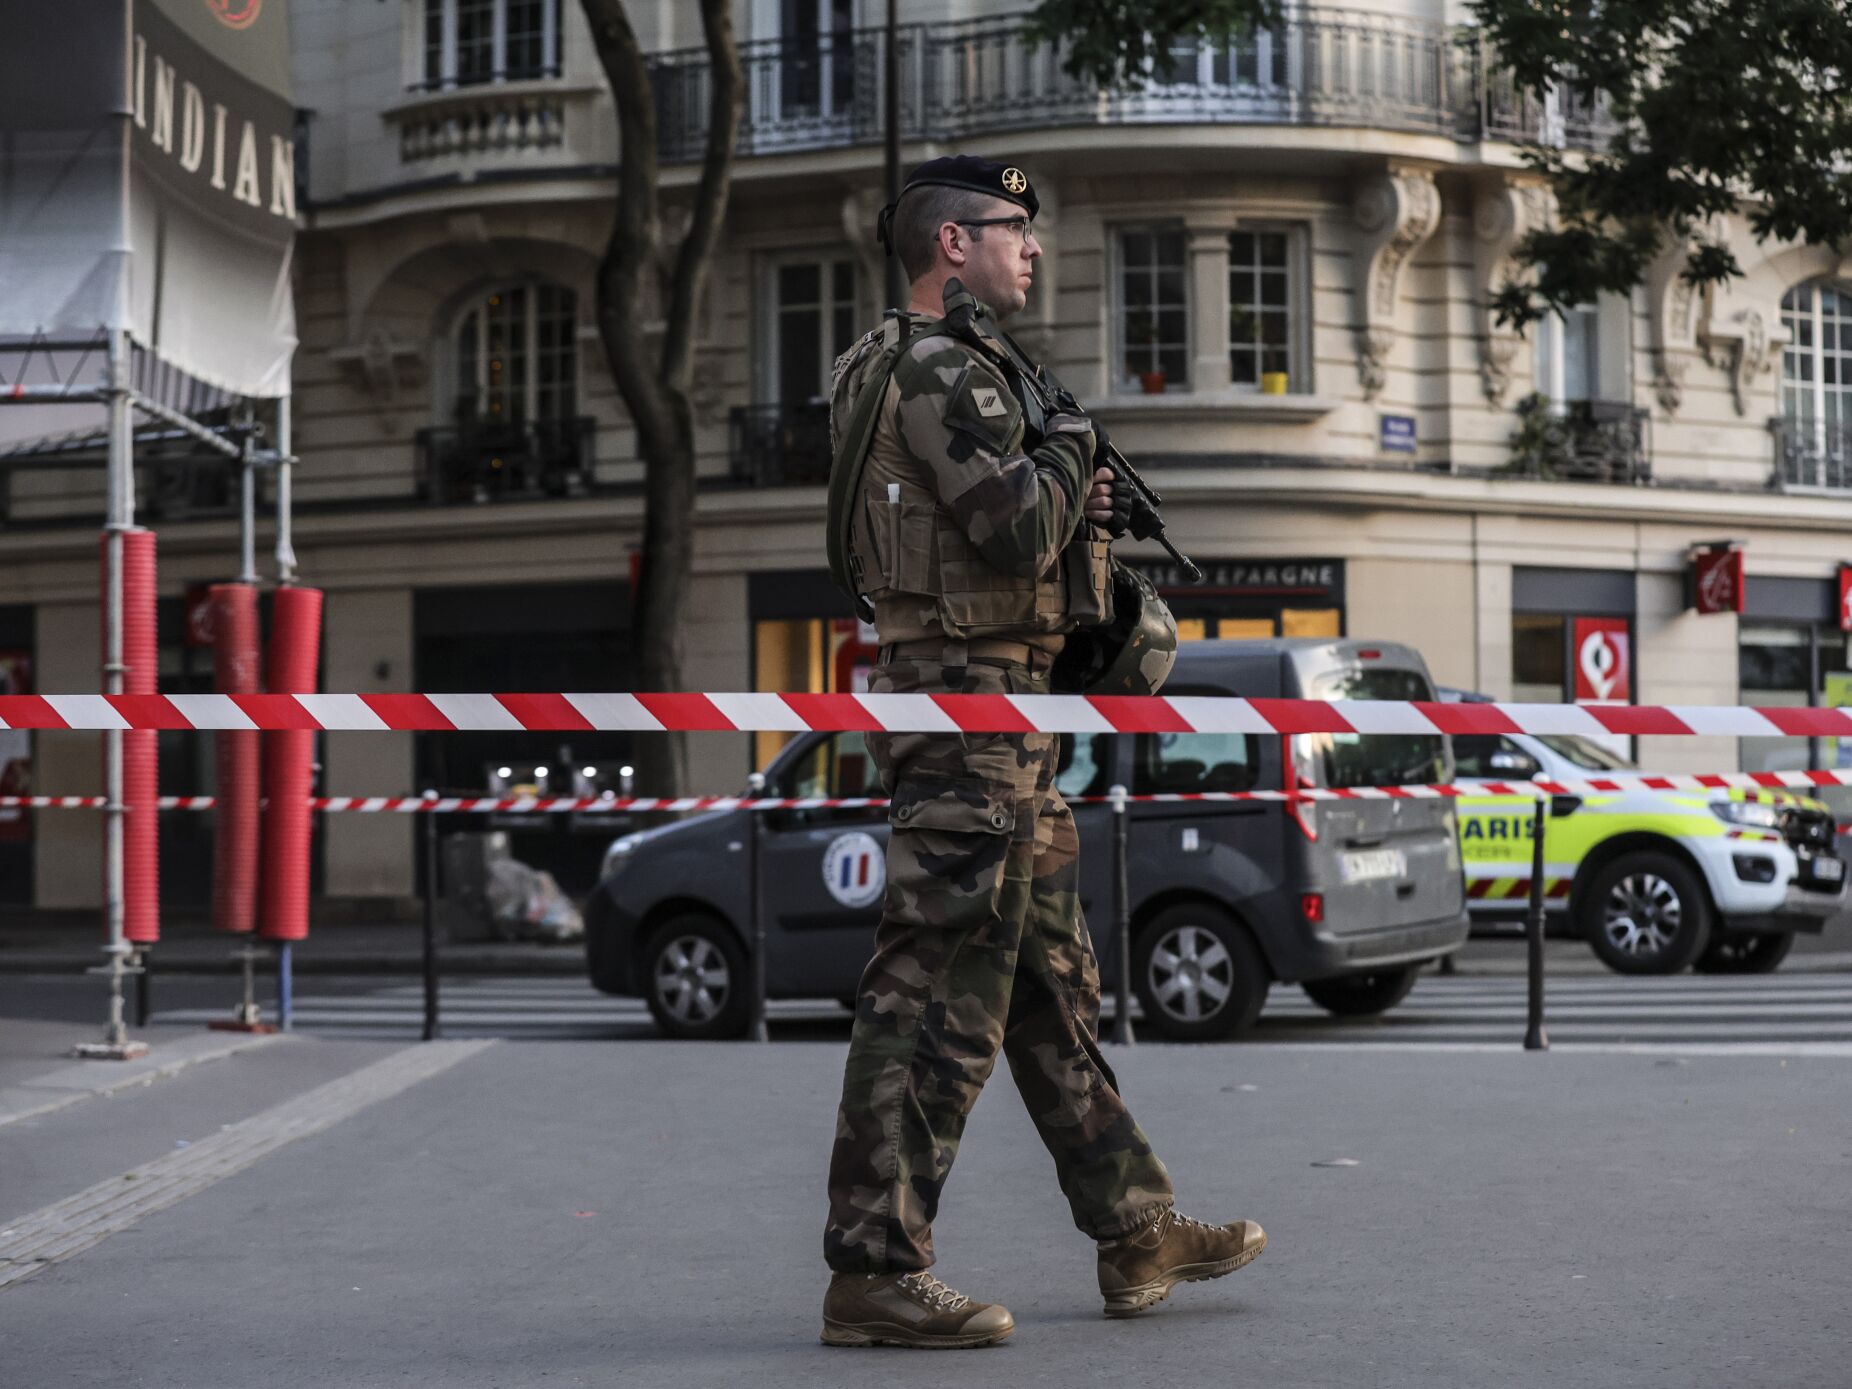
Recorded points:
(1022, 226)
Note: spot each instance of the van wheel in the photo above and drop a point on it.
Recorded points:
(1646, 913)
(1758, 953)
(1198, 974)
(1363, 995)
(695, 979)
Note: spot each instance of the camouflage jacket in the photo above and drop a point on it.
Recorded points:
(958, 531)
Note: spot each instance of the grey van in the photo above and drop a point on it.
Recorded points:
(1346, 898)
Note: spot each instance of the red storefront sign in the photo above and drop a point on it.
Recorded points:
(199, 615)
(1845, 597)
(1603, 656)
(1717, 579)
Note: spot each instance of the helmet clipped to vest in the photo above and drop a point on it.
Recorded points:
(1131, 653)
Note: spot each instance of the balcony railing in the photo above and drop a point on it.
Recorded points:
(1319, 67)
(1812, 456)
(779, 445)
(1592, 441)
(489, 461)
(518, 118)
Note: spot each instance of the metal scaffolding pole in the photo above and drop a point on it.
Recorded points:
(286, 549)
(120, 517)
(286, 574)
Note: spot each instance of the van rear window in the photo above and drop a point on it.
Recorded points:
(1342, 761)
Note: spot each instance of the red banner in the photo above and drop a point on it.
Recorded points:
(1603, 655)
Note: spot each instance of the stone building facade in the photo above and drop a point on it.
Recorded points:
(1267, 273)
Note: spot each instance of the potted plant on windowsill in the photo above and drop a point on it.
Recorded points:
(1141, 331)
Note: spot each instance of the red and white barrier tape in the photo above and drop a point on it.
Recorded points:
(1744, 781)
(896, 713)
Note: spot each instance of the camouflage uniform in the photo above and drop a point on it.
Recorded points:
(965, 537)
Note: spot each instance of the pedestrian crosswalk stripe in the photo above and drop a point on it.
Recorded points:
(1793, 1010)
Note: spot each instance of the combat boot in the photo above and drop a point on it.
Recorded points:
(1139, 1271)
(908, 1309)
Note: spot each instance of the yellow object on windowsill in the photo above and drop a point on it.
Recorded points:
(1273, 383)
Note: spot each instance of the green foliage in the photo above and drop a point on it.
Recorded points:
(1117, 42)
(1717, 106)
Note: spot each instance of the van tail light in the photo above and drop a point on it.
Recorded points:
(1312, 908)
(1302, 812)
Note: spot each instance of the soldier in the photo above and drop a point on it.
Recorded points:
(977, 544)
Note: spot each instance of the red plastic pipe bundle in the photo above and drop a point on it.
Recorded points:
(235, 670)
(141, 773)
(289, 773)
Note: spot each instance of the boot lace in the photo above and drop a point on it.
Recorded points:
(932, 1292)
(1178, 1218)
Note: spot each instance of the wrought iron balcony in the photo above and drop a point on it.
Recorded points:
(1811, 456)
(779, 445)
(489, 461)
(1591, 441)
(1319, 67)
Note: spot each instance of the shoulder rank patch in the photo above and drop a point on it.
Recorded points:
(980, 407)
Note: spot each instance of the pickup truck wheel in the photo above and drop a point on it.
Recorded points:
(1363, 995)
(1198, 973)
(695, 979)
(1646, 913)
(1759, 953)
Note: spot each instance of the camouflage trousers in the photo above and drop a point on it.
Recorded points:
(981, 948)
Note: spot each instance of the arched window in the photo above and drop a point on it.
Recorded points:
(1816, 365)
(516, 355)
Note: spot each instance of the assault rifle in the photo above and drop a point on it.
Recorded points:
(965, 322)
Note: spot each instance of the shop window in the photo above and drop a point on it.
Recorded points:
(1265, 328)
(808, 655)
(1290, 622)
(1538, 659)
(1152, 309)
(467, 42)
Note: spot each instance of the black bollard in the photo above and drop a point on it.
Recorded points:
(431, 1002)
(756, 1029)
(1122, 917)
(142, 1002)
(1534, 1036)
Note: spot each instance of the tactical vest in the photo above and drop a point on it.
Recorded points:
(902, 556)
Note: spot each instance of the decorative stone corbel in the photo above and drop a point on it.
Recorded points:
(1672, 312)
(1502, 217)
(382, 365)
(1394, 214)
(1745, 346)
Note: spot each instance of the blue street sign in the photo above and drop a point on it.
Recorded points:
(1397, 433)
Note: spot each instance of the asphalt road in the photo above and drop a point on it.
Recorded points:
(577, 1214)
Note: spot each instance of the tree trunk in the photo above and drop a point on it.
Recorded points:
(655, 392)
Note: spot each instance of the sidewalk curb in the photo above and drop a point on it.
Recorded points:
(85, 1080)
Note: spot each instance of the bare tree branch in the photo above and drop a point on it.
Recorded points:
(726, 100)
